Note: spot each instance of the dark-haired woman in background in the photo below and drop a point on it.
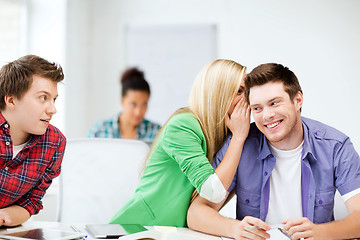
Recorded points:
(130, 123)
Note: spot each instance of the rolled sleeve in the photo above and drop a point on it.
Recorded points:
(184, 142)
(347, 168)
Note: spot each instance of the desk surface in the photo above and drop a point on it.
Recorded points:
(167, 233)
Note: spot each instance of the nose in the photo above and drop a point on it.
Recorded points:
(51, 109)
(268, 114)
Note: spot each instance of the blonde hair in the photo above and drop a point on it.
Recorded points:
(211, 95)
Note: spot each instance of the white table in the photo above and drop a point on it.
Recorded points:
(166, 233)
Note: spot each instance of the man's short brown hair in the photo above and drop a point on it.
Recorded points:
(16, 77)
(272, 72)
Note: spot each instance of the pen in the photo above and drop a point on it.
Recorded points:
(285, 233)
(77, 230)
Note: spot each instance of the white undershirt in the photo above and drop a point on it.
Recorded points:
(17, 149)
(285, 186)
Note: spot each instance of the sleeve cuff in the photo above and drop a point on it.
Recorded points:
(213, 190)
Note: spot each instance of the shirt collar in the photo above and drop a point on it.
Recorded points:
(307, 150)
(264, 151)
(2, 119)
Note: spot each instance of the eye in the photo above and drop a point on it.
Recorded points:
(256, 109)
(241, 91)
(274, 103)
(43, 98)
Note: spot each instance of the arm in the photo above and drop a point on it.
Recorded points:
(13, 215)
(203, 216)
(239, 124)
(31, 201)
(346, 228)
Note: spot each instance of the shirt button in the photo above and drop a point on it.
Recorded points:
(320, 202)
(247, 200)
(7, 143)
(272, 156)
(265, 173)
(6, 125)
(6, 168)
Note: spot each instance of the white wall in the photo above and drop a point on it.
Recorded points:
(318, 40)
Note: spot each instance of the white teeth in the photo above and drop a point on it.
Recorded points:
(273, 125)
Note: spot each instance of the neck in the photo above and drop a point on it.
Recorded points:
(124, 123)
(294, 138)
(17, 137)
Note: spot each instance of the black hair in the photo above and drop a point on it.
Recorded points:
(133, 79)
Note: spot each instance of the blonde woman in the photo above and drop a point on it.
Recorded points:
(181, 156)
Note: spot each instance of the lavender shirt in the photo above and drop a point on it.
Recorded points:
(329, 162)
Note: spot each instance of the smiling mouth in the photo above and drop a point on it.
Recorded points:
(273, 125)
(43, 120)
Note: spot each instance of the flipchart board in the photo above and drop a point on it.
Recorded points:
(170, 55)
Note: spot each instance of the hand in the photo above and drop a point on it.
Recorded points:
(239, 121)
(251, 228)
(5, 219)
(301, 228)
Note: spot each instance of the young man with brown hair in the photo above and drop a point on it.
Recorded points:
(289, 169)
(31, 150)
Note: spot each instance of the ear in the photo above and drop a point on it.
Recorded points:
(298, 100)
(10, 101)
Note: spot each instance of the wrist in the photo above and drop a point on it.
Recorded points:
(237, 137)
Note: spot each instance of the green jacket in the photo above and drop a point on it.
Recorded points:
(176, 165)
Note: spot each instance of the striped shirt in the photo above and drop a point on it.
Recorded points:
(109, 128)
(25, 178)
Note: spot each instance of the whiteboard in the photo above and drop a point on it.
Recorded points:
(170, 55)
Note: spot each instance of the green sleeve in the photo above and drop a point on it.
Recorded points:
(185, 143)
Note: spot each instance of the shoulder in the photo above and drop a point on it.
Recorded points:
(104, 123)
(53, 137)
(319, 130)
(184, 120)
(104, 128)
(150, 124)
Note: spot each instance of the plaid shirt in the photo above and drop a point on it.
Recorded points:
(109, 128)
(24, 179)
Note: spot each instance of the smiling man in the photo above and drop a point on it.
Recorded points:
(289, 169)
(31, 150)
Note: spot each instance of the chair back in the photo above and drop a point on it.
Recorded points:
(98, 176)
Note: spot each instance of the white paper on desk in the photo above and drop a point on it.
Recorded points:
(145, 234)
(165, 234)
(275, 234)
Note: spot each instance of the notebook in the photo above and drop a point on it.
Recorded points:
(113, 230)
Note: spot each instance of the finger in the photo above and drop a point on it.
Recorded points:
(292, 222)
(305, 226)
(302, 235)
(257, 222)
(259, 232)
(255, 234)
(239, 105)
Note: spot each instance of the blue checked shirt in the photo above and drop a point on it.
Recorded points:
(109, 128)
